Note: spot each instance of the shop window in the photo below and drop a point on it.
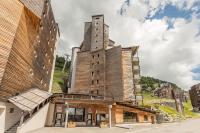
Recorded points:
(130, 117)
(76, 114)
(145, 118)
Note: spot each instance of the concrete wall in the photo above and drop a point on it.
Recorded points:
(127, 74)
(2, 117)
(97, 33)
(50, 115)
(82, 75)
(114, 88)
(72, 75)
(36, 121)
(12, 118)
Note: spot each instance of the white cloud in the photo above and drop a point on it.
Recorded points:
(168, 54)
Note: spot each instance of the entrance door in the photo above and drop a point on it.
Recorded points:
(89, 119)
(58, 120)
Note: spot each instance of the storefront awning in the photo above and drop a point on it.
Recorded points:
(29, 100)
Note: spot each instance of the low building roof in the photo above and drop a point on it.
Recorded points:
(31, 99)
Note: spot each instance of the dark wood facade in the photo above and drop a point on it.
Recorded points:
(195, 96)
(27, 55)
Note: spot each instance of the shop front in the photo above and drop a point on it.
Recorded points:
(81, 114)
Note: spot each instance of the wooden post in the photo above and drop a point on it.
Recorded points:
(22, 118)
(66, 112)
(110, 108)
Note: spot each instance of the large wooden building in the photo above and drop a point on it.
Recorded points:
(103, 83)
(28, 38)
(99, 67)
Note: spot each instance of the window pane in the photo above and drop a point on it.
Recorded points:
(71, 111)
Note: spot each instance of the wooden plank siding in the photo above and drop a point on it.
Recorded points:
(10, 12)
(36, 6)
(31, 57)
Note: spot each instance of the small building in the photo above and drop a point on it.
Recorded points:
(165, 91)
(88, 110)
(195, 96)
(29, 36)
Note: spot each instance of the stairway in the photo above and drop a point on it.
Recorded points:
(12, 129)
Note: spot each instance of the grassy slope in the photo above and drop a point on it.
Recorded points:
(150, 101)
(58, 81)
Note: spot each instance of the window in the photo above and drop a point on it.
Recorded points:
(97, 62)
(96, 41)
(44, 14)
(145, 118)
(92, 82)
(98, 55)
(12, 110)
(97, 81)
(130, 117)
(92, 73)
(76, 114)
(41, 81)
(41, 27)
(97, 71)
(43, 66)
(93, 56)
(97, 18)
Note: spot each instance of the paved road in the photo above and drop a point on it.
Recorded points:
(188, 126)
